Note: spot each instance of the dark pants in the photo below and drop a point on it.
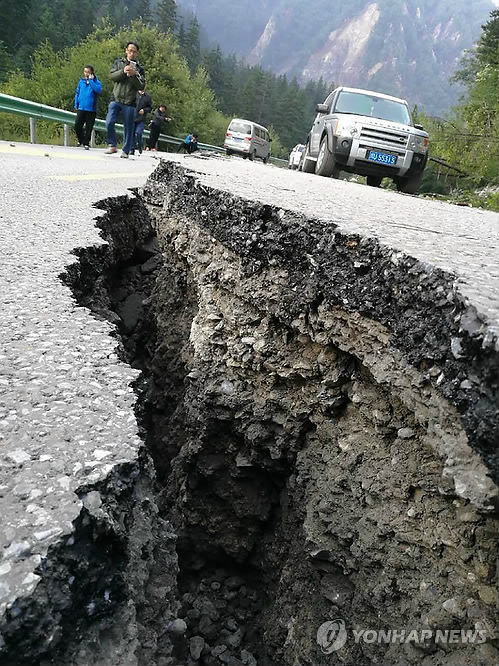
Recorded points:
(139, 130)
(187, 147)
(84, 125)
(128, 112)
(154, 133)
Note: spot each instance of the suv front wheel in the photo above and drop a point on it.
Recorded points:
(326, 164)
(409, 185)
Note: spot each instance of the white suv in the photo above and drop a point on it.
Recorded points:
(295, 156)
(370, 134)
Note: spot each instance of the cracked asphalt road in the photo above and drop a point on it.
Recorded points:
(459, 240)
(66, 406)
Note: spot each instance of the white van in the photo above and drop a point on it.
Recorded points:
(246, 138)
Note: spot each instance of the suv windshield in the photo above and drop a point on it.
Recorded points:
(244, 128)
(370, 105)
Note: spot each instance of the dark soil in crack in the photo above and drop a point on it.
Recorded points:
(301, 485)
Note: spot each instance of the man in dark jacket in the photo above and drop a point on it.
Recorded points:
(143, 106)
(128, 76)
(159, 118)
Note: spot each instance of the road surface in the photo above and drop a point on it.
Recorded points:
(66, 406)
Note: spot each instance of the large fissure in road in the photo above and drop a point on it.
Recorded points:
(319, 413)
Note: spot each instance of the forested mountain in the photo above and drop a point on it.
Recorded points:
(403, 47)
(239, 89)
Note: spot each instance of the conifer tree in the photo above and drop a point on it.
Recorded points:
(181, 37)
(213, 62)
(166, 15)
(4, 62)
(191, 47)
(142, 10)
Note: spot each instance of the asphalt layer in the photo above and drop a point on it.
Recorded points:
(66, 405)
(459, 240)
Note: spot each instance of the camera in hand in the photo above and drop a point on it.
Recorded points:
(132, 63)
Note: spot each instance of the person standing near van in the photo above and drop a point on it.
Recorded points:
(87, 93)
(128, 77)
(143, 106)
(159, 118)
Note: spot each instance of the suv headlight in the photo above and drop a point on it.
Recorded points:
(344, 128)
(418, 144)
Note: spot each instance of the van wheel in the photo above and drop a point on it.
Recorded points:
(326, 164)
(266, 159)
(252, 156)
(307, 165)
(374, 181)
(409, 185)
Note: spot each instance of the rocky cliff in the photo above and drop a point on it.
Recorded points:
(403, 47)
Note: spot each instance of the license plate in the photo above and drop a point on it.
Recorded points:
(382, 158)
(237, 139)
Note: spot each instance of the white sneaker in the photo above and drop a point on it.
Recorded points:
(124, 155)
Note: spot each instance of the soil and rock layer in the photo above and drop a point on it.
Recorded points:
(320, 424)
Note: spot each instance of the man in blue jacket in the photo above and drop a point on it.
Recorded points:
(87, 92)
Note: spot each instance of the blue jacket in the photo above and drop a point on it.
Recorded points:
(87, 92)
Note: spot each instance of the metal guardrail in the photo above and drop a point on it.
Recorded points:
(35, 110)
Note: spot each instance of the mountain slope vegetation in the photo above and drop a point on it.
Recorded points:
(404, 47)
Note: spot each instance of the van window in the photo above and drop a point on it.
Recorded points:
(237, 126)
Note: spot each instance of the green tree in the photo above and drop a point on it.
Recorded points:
(4, 62)
(213, 62)
(166, 15)
(468, 137)
(143, 10)
(191, 48)
(250, 101)
(54, 76)
(14, 19)
(181, 37)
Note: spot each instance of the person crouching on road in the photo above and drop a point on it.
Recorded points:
(189, 144)
(143, 106)
(87, 93)
(129, 77)
(159, 118)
